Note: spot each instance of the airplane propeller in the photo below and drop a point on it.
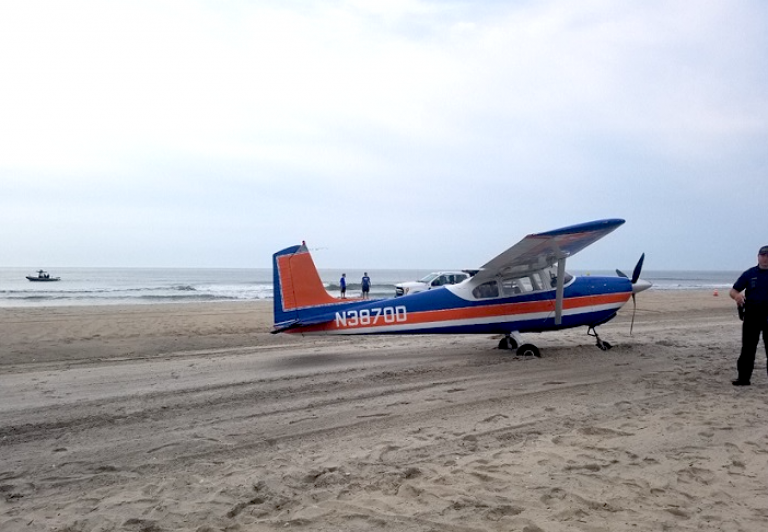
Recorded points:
(636, 287)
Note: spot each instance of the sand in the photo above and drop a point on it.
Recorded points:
(194, 418)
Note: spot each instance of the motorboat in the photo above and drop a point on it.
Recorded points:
(42, 275)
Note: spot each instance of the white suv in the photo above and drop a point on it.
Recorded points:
(433, 280)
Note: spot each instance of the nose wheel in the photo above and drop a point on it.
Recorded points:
(602, 345)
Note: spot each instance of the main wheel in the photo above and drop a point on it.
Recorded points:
(528, 350)
(508, 343)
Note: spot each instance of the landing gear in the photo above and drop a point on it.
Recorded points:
(528, 350)
(511, 342)
(508, 342)
(604, 346)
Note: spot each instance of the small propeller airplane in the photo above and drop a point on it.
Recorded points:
(524, 289)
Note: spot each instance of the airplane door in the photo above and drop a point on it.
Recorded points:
(538, 282)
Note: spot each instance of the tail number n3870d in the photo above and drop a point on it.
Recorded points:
(373, 316)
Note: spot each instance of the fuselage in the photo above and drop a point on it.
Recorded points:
(587, 300)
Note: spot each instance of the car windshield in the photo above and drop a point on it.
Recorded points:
(428, 278)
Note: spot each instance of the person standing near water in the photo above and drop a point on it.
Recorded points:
(366, 285)
(343, 285)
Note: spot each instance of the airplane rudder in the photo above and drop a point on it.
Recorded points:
(281, 284)
(298, 288)
(307, 288)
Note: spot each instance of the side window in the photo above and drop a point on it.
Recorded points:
(510, 287)
(525, 284)
(486, 290)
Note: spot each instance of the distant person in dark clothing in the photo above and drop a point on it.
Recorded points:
(366, 285)
(750, 291)
(343, 285)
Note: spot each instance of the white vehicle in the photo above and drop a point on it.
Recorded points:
(433, 280)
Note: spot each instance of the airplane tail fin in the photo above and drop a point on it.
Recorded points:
(297, 287)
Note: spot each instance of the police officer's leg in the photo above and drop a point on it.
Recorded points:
(750, 336)
(765, 339)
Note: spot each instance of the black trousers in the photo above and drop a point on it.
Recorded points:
(755, 322)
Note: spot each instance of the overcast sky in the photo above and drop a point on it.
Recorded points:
(387, 134)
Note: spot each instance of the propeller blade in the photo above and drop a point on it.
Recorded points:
(638, 268)
(635, 287)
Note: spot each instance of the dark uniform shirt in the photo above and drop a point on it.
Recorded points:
(755, 282)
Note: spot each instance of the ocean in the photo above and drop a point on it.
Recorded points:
(105, 286)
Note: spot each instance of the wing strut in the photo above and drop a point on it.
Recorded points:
(559, 291)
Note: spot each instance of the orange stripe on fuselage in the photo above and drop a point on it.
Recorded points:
(486, 311)
(308, 289)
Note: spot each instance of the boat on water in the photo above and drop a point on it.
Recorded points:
(42, 275)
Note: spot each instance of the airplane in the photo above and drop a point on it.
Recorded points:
(524, 289)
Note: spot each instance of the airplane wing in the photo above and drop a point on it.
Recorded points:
(540, 250)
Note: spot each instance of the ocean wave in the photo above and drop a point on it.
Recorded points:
(185, 288)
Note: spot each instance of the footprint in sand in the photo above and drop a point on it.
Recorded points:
(697, 475)
(736, 467)
(380, 452)
(603, 432)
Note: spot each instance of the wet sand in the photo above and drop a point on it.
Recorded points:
(194, 418)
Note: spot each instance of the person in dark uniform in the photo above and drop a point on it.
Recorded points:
(750, 291)
(366, 285)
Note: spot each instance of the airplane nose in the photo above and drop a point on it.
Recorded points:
(640, 285)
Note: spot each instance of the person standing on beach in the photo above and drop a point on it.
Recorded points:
(366, 285)
(343, 285)
(750, 291)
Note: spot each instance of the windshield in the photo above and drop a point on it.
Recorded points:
(428, 278)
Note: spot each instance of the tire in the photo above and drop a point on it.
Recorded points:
(528, 350)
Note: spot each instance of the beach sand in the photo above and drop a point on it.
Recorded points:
(194, 418)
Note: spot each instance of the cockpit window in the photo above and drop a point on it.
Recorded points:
(551, 275)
